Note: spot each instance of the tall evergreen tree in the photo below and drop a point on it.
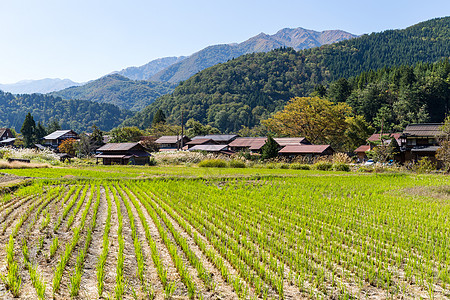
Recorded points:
(40, 131)
(159, 117)
(270, 148)
(28, 130)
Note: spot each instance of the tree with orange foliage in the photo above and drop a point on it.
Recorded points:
(68, 146)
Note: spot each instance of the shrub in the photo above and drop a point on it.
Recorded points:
(152, 161)
(424, 165)
(213, 163)
(297, 166)
(322, 166)
(283, 166)
(236, 164)
(338, 166)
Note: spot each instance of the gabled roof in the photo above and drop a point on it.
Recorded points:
(305, 149)
(377, 137)
(6, 141)
(209, 148)
(199, 141)
(217, 137)
(363, 148)
(169, 139)
(3, 130)
(423, 130)
(253, 143)
(119, 147)
(57, 134)
(291, 141)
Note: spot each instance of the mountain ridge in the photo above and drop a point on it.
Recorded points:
(297, 38)
(41, 86)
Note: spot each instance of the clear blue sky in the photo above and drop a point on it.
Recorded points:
(85, 39)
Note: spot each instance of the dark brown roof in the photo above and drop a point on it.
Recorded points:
(119, 147)
(169, 139)
(291, 141)
(217, 137)
(377, 136)
(199, 141)
(304, 149)
(423, 130)
(249, 142)
(363, 148)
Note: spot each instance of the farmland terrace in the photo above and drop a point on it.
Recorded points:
(186, 233)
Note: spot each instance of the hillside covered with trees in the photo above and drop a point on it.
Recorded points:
(78, 115)
(250, 88)
(118, 90)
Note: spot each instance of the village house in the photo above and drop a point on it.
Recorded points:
(6, 137)
(200, 141)
(292, 141)
(171, 142)
(251, 144)
(55, 139)
(219, 139)
(308, 151)
(222, 149)
(372, 141)
(420, 140)
(123, 154)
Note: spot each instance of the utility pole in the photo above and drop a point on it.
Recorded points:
(182, 130)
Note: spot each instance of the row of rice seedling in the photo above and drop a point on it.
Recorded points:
(120, 283)
(70, 247)
(105, 247)
(335, 214)
(77, 208)
(68, 207)
(210, 253)
(171, 246)
(75, 279)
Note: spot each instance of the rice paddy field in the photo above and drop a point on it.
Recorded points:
(192, 233)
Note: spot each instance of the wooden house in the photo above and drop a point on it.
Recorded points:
(420, 140)
(251, 144)
(171, 142)
(200, 141)
(55, 139)
(292, 141)
(123, 154)
(306, 150)
(6, 137)
(219, 139)
(223, 149)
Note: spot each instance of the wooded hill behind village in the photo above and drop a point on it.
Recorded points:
(390, 79)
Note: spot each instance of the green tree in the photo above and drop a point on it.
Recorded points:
(28, 130)
(53, 125)
(159, 117)
(96, 137)
(270, 148)
(40, 131)
(194, 128)
(443, 152)
(126, 134)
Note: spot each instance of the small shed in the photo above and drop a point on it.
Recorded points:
(361, 152)
(123, 154)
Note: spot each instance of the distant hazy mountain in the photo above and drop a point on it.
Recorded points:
(297, 38)
(148, 70)
(41, 86)
(118, 90)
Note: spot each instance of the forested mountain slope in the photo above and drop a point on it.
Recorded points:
(249, 88)
(118, 90)
(78, 115)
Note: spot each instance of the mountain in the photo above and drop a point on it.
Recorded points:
(118, 90)
(297, 38)
(41, 86)
(249, 88)
(148, 70)
(78, 115)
